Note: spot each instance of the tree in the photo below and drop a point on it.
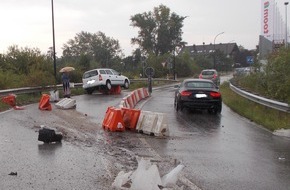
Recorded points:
(98, 46)
(277, 75)
(25, 67)
(159, 31)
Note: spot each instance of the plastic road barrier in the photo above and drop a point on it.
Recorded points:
(134, 99)
(54, 95)
(152, 123)
(113, 120)
(140, 92)
(138, 98)
(44, 103)
(114, 90)
(130, 101)
(10, 100)
(66, 103)
(130, 117)
(146, 93)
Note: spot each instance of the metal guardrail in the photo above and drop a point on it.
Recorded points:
(27, 90)
(258, 99)
(261, 100)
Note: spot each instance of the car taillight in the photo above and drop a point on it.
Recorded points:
(215, 94)
(214, 76)
(100, 77)
(185, 93)
(200, 76)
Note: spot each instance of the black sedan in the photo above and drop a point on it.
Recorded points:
(198, 94)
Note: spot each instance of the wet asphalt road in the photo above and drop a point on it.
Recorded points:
(44, 166)
(224, 151)
(219, 152)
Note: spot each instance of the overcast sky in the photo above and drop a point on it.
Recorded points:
(28, 23)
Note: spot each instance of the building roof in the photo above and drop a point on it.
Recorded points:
(227, 48)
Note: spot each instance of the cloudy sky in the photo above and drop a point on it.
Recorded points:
(28, 23)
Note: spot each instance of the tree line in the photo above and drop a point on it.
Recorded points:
(159, 40)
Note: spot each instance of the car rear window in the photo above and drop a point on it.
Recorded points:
(194, 84)
(208, 73)
(90, 74)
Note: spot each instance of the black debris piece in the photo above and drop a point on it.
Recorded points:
(48, 135)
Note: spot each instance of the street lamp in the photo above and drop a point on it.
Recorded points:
(286, 3)
(214, 59)
(53, 38)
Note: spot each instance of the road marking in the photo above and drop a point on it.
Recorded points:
(151, 150)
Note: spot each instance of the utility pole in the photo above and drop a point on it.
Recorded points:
(53, 38)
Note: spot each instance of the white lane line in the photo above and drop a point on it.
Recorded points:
(151, 150)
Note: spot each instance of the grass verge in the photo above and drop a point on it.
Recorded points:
(269, 118)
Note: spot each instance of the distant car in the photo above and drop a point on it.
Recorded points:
(210, 74)
(103, 79)
(242, 71)
(198, 94)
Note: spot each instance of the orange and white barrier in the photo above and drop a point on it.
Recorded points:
(138, 98)
(11, 100)
(117, 119)
(133, 98)
(140, 92)
(44, 103)
(130, 101)
(130, 117)
(146, 93)
(113, 120)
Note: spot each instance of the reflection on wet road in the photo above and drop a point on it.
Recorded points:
(222, 151)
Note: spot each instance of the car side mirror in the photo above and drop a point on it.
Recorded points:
(177, 86)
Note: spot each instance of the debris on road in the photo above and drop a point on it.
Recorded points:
(147, 176)
(48, 135)
(11, 100)
(13, 173)
(44, 103)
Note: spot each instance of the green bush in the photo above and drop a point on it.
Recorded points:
(255, 112)
(274, 81)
